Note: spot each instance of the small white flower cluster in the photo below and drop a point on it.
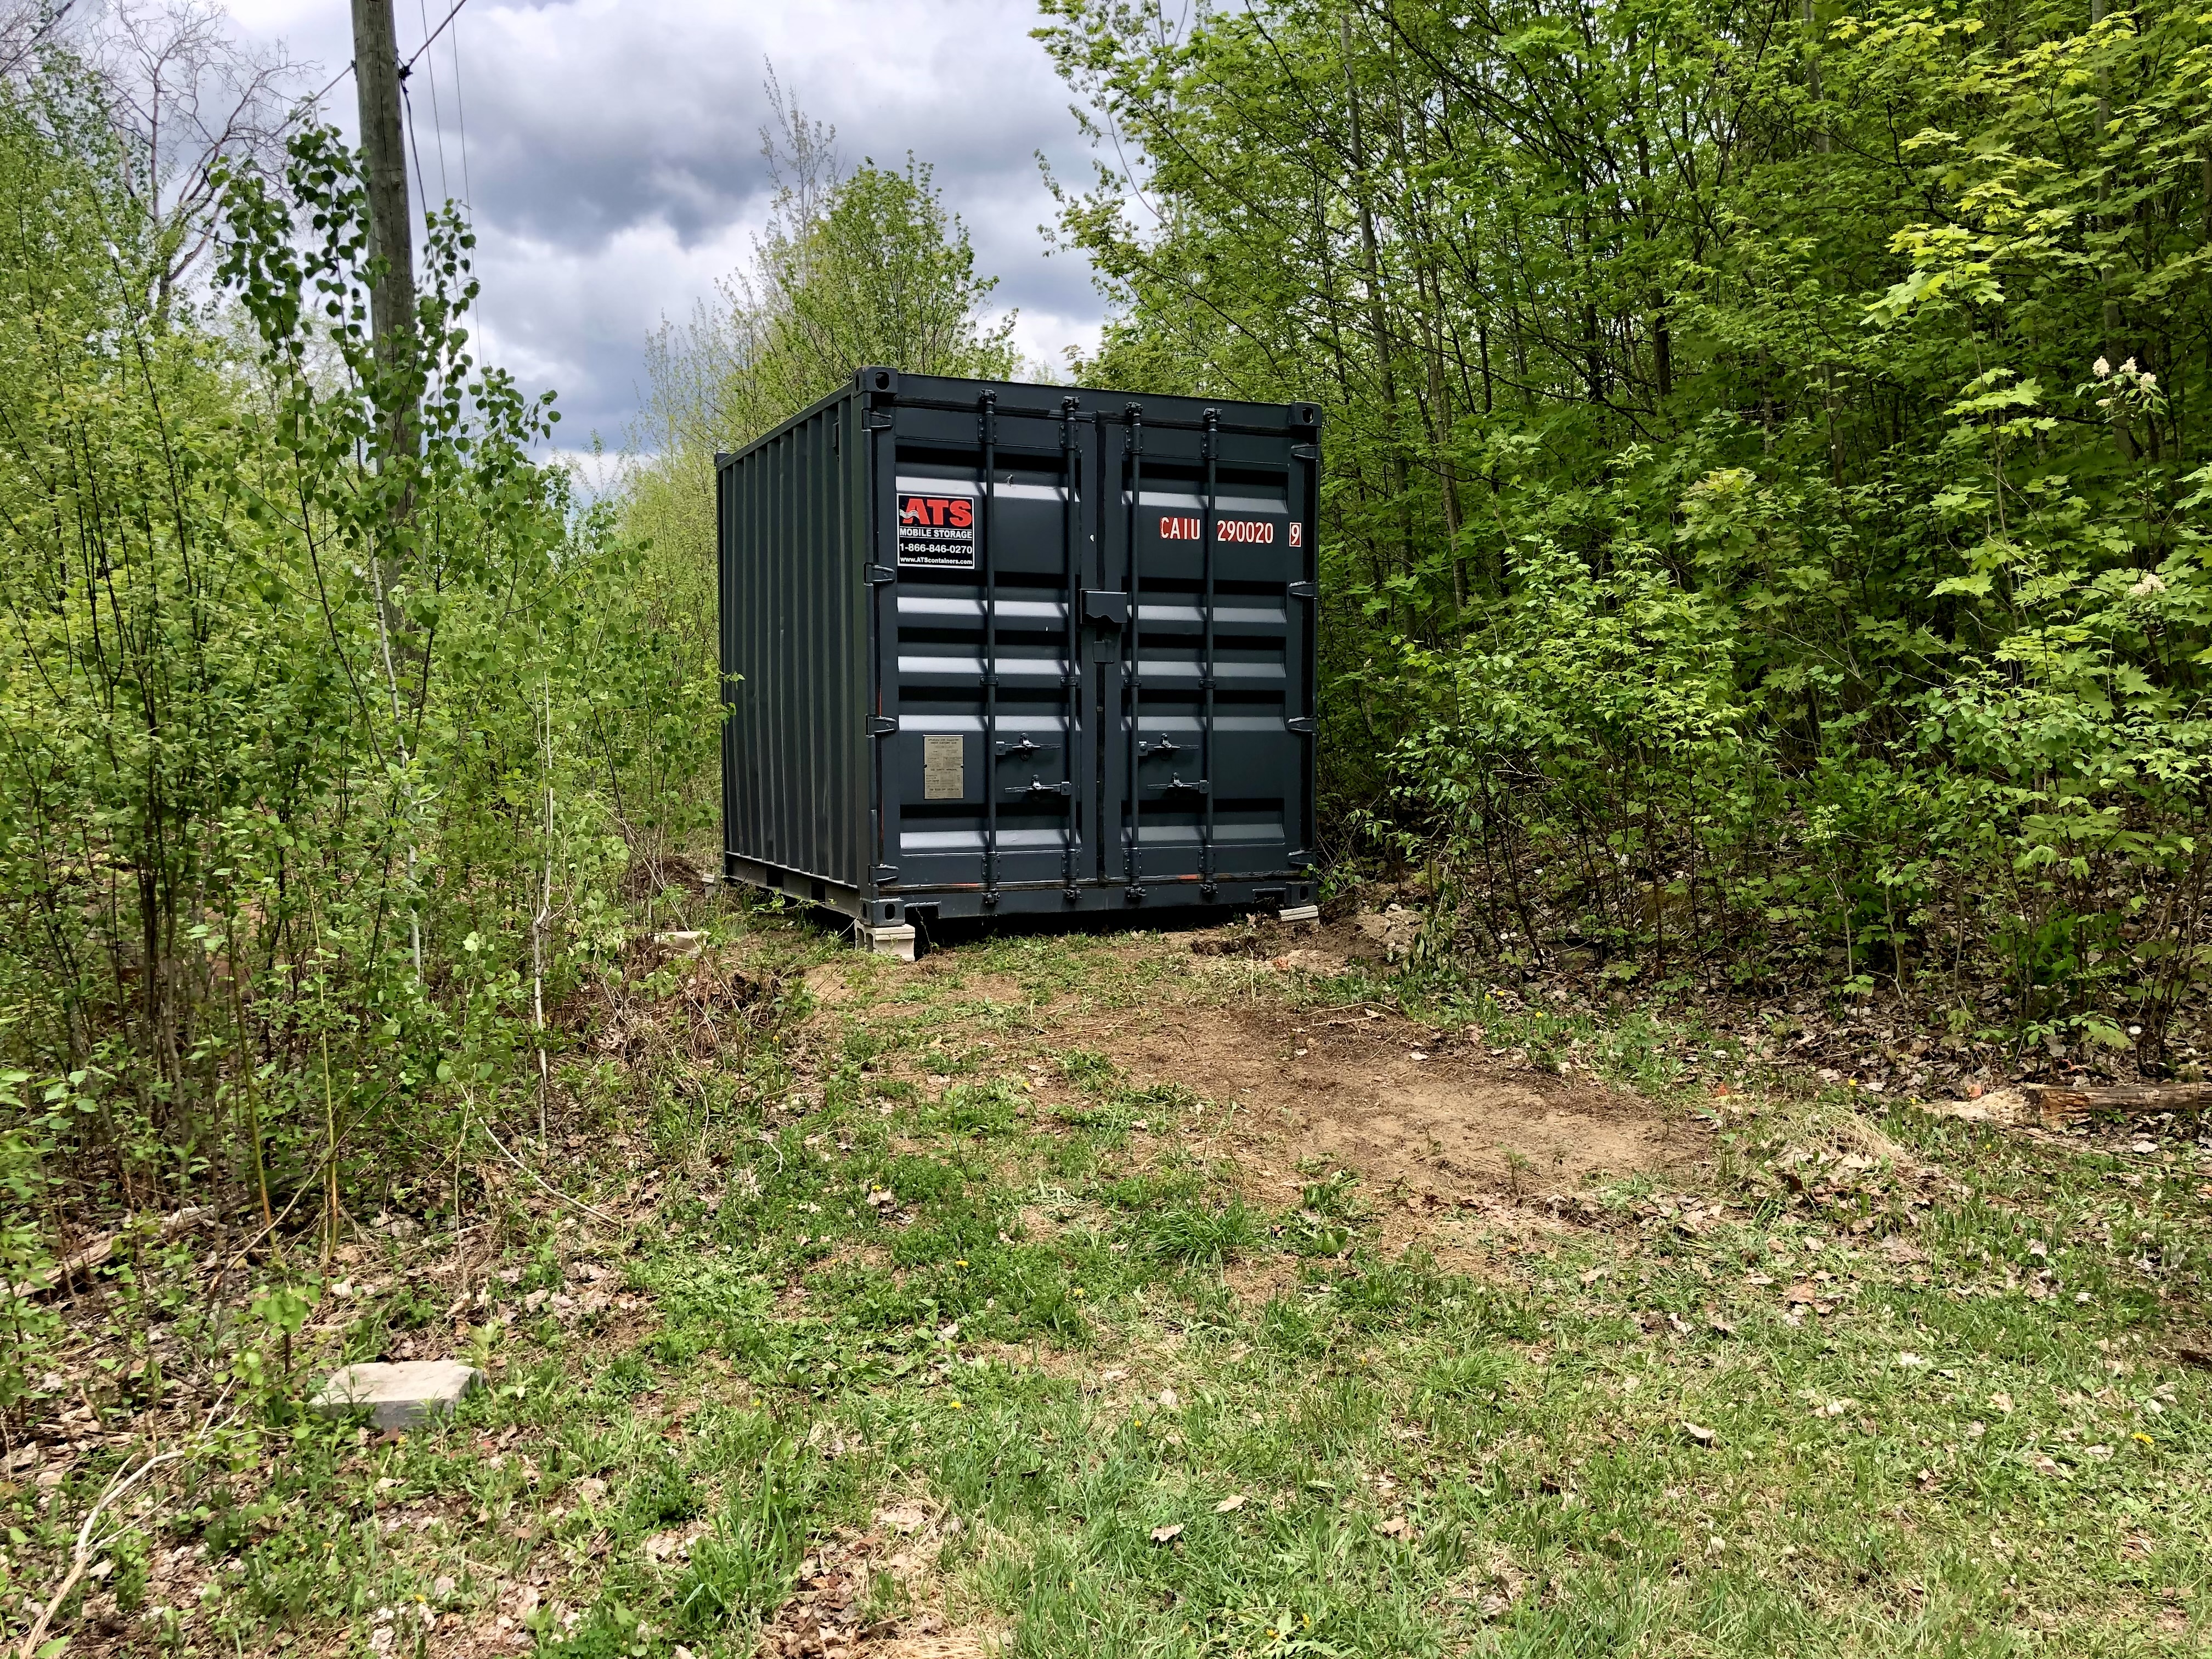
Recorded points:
(2129, 385)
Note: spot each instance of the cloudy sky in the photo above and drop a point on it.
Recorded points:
(613, 153)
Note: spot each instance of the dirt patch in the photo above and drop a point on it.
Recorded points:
(838, 1608)
(971, 985)
(1262, 1278)
(1413, 1113)
(828, 982)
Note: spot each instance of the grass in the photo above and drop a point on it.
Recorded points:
(1885, 1385)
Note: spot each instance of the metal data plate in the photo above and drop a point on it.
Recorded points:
(944, 768)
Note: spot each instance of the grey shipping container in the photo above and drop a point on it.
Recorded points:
(993, 649)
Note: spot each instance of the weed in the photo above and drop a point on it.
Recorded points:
(1194, 1235)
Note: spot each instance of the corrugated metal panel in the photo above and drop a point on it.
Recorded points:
(792, 514)
(1014, 647)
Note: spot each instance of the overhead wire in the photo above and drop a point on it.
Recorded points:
(468, 191)
(437, 112)
(434, 34)
(414, 145)
(461, 124)
(316, 101)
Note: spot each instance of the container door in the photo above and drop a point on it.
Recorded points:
(1205, 776)
(989, 775)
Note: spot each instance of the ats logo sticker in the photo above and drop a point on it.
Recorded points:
(937, 532)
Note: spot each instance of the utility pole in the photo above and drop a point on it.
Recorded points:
(384, 151)
(392, 315)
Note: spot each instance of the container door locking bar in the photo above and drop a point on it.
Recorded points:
(1134, 858)
(1210, 443)
(1071, 676)
(988, 420)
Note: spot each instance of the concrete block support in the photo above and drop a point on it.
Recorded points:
(890, 941)
(398, 1396)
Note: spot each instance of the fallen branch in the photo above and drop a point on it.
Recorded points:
(2059, 1102)
(555, 1191)
(88, 1549)
(71, 1268)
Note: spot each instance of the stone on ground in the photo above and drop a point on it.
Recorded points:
(398, 1396)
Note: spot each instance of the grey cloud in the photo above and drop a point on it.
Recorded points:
(612, 153)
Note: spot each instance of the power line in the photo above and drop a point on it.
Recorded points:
(334, 80)
(468, 191)
(349, 68)
(437, 115)
(461, 122)
(433, 35)
(414, 144)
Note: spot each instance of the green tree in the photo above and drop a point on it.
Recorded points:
(1879, 336)
(306, 805)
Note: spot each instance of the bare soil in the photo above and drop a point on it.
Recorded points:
(1413, 1114)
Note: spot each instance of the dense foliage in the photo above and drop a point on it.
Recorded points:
(319, 755)
(1767, 471)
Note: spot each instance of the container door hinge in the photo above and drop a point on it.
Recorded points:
(884, 872)
(1305, 452)
(1300, 723)
(1304, 591)
(883, 725)
(881, 573)
(877, 421)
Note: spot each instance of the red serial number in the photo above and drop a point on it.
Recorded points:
(1259, 531)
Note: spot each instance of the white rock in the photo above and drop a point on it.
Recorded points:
(398, 1396)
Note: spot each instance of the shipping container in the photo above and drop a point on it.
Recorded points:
(993, 649)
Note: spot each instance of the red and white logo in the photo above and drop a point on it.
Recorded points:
(944, 512)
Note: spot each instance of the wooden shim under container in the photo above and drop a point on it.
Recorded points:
(2058, 1102)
